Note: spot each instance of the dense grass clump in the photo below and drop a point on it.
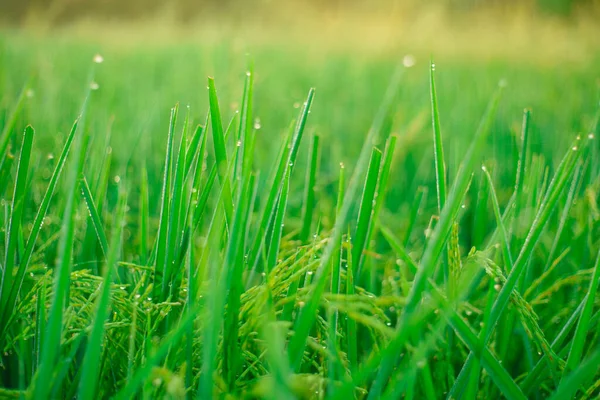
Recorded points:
(220, 261)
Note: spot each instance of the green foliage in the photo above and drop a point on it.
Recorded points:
(184, 271)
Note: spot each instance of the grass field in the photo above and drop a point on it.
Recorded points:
(310, 221)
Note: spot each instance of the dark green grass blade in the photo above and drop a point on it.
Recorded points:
(309, 189)
(14, 226)
(94, 216)
(90, 373)
(365, 212)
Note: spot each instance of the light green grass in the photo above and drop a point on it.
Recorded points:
(270, 240)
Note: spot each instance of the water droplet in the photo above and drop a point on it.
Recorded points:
(248, 73)
(591, 136)
(31, 274)
(483, 168)
(433, 66)
(30, 93)
(94, 86)
(137, 296)
(463, 206)
(497, 287)
(575, 148)
(310, 273)
(122, 288)
(388, 323)
(50, 156)
(109, 150)
(98, 59)
(117, 179)
(238, 143)
(149, 298)
(296, 105)
(301, 304)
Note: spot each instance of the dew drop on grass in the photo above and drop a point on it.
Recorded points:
(30, 93)
(122, 287)
(117, 179)
(301, 304)
(238, 143)
(98, 59)
(296, 105)
(575, 148)
(591, 136)
(248, 73)
(309, 272)
(94, 86)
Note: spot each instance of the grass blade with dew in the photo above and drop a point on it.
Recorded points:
(94, 216)
(14, 225)
(52, 342)
(241, 166)
(365, 212)
(220, 150)
(163, 226)
(278, 224)
(309, 189)
(286, 161)
(581, 331)
(440, 166)
(90, 373)
(307, 315)
(491, 364)
(170, 280)
(437, 242)
(557, 185)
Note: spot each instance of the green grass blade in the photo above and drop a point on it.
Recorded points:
(307, 315)
(14, 225)
(572, 383)
(219, 145)
(309, 189)
(94, 216)
(163, 227)
(365, 212)
(440, 166)
(581, 331)
(52, 341)
(90, 373)
(278, 225)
